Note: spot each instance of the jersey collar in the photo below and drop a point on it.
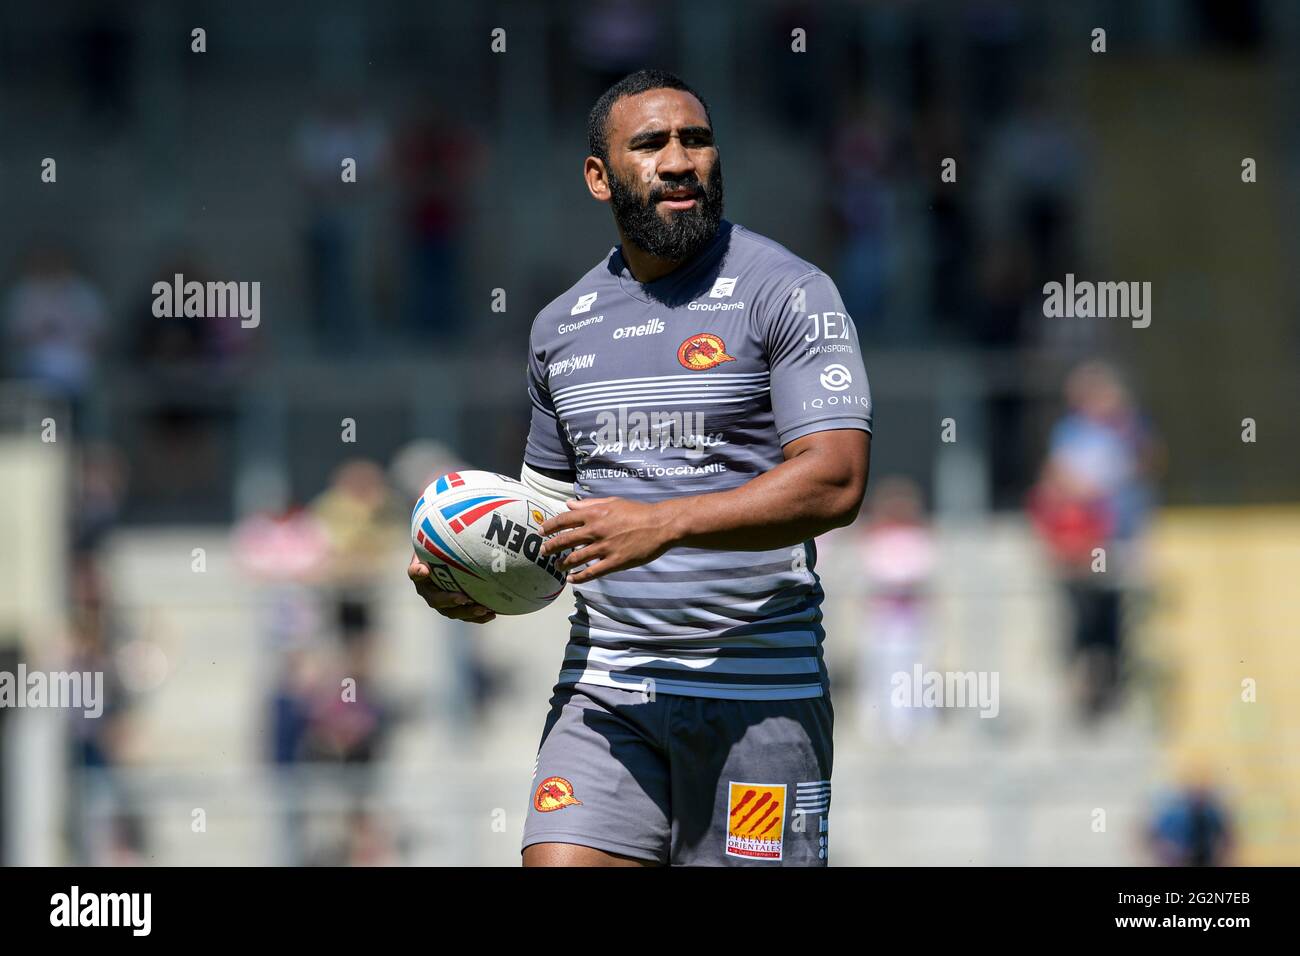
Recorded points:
(661, 288)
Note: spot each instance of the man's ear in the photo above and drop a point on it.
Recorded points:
(596, 174)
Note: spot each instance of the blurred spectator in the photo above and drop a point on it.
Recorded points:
(1030, 178)
(185, 378)
(997, 319)
(106, 64)
(1035, 163)
(337, 217)
(1094, 493)
(1004, 290)
(350, 722)
(291, 705)
(184, 348)
(286, 551)
(1191, 827)
(362, 520)
(54, 321)
(611, 38)
(282, 546)
(100, 485)
(864, 195)
(291, 702)
(326, 708)
(795, 88)
(897, 557)
(994, 34)
(349, 718)
(436, 159)
(369, 841)
(938, 136)
(103, 830)
(1109, 446)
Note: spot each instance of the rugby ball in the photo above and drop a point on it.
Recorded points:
(480, 534)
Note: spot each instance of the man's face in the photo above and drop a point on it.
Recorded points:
(665, 177)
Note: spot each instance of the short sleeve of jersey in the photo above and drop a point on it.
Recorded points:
(547, 445)
(818, 380)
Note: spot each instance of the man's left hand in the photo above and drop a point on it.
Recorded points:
(608, 534)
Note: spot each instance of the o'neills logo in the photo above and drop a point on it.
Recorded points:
(653, 327)
(555, 793)
(703, 350)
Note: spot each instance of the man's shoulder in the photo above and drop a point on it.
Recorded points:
(580, 302)
(766, 273)
(765, 255)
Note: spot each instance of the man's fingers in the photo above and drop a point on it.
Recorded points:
(451, 604)
(568, 539)
(473, 613)
(433, 595)
(459, 607)
(593, 570)
(417, 568)
(444, 600)
(579, 556)
(565, 519)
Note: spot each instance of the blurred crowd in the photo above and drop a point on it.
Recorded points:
(1090, 507)
(315, 569)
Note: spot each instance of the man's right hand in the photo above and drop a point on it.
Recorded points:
(452, 604)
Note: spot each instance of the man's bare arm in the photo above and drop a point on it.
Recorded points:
(819, 486)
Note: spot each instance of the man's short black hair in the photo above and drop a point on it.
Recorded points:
(642, 81)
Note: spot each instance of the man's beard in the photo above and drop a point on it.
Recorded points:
(686, 232)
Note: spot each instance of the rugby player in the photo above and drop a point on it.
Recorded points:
(699, 401)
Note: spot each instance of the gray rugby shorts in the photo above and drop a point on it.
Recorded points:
(684, 781)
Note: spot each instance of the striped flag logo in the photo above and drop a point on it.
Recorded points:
(812, 796)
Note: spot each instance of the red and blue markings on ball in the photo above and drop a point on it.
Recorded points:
(459, 515)
(450, 480)
(473, 508)
(428, 539)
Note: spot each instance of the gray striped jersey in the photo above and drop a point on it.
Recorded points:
(683, 386)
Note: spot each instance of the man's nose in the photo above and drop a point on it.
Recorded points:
(675, 160)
